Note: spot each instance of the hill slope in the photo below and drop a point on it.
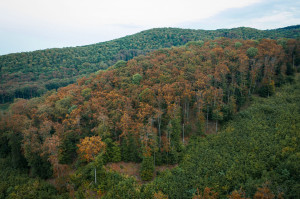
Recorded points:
(257, 153)
(151, 104)
(26, 75)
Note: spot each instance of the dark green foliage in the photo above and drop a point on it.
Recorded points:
(15, 184)
(126, 188)
(237, 45)
(10, 147)
(174, 132)
(290, 70)
(17, 158)
(33, 189)
(252, 52)
(68, 148)
(39, 166)
(147, 168)
(195, 43)
(120, 64)
(217, 115)
(200, 127)
(267, 89)
(129, 150)
(112, 151)
(62, 106)
(4, 147)
(112, 184)
(136, 78)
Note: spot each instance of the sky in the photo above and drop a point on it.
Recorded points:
(40, 24)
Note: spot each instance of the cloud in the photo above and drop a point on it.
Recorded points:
(268, 14)
(78, 13)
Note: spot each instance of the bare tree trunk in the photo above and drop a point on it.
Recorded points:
(159, 130)
(95, 175)
(154, 158)
(187, 112)
(169, 136)
(183, 133)
(214, 100)
(207, 110)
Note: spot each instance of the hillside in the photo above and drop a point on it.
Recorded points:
(256, 154)
(154, 110)
(27, 75)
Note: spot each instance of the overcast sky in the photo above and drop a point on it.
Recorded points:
(27, 25)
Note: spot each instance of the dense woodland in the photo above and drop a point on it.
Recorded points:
(27, 75)
(158, 109)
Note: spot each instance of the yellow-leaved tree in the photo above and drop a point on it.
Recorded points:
(89, 148)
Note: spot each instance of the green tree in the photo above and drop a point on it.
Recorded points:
(147, 168)
(237, 45)
(136, 78)
(252, 52)
(86, 93)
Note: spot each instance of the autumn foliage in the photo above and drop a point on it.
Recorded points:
(207, 193)
(90, 147)
(149, 105)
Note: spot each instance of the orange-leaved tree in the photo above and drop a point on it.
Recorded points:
(208, 193)
(89, 148)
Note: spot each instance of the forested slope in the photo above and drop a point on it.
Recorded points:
(146, 110)
(257, 154)
(26, 75)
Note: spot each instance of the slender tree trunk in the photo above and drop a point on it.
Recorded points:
(199, 103)
(159, 130)
(169, 136)
(207, 110)
(187, 112)
(249, 91)
(95, 175)
(214, 100)
(154, 158)
(216, 126)
(183, 133)
(184, 118)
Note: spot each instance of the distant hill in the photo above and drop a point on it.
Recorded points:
(30, 74)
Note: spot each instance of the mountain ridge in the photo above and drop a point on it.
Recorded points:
(30, 74)
(86, 45)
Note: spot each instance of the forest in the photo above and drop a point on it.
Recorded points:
(222, 115)
(31, 74)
